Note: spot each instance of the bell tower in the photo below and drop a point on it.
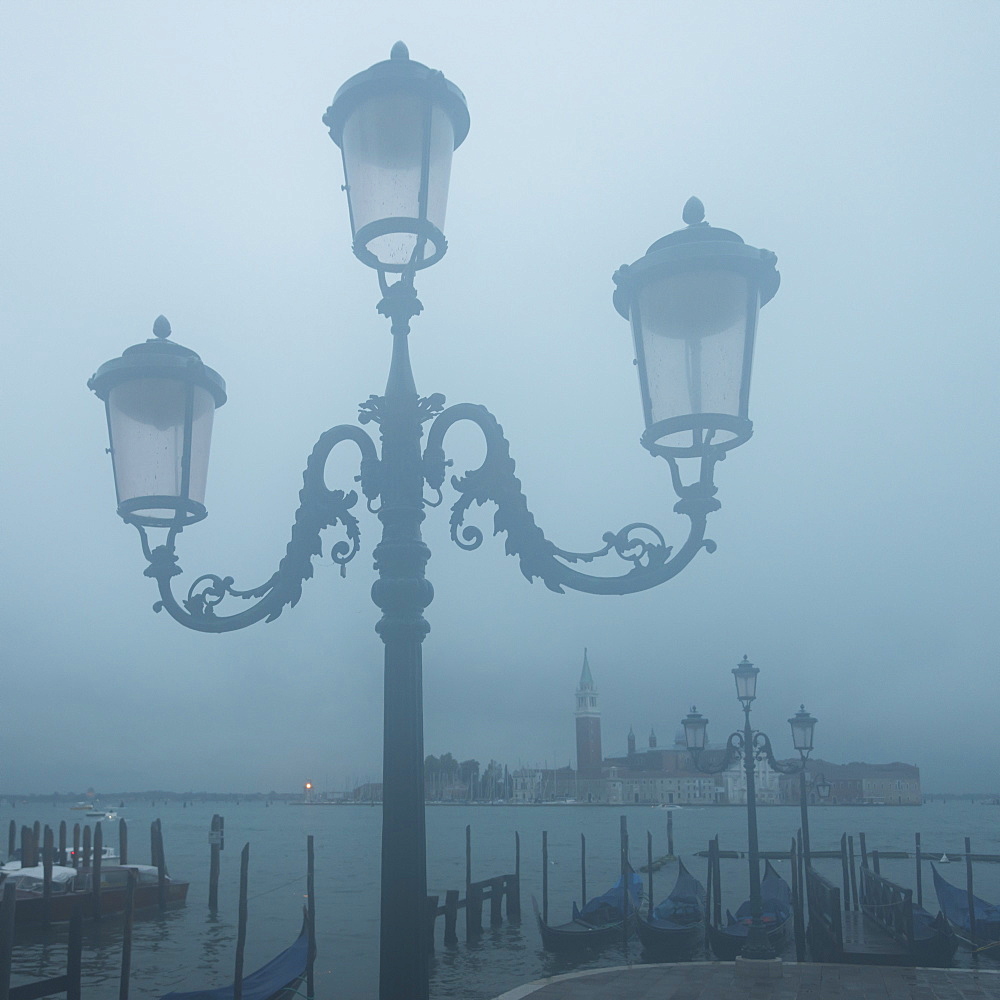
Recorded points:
(588, 726)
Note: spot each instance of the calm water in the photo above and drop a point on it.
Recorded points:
(188, 950)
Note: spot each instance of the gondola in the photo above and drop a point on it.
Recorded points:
(279, 979)
(954, 903)
(776, 905)
(675, 927)
(603, 920)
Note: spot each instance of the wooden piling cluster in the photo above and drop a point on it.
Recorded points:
(68, 983)
(496, 891)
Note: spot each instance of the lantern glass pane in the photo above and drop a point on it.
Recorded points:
(147, 434)
(383, 144)
(802, 732)
(694, 332)
(695, 729)
(746, 683)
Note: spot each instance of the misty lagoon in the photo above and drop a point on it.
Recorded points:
(187, 949)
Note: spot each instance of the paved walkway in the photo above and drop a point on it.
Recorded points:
(722, 981)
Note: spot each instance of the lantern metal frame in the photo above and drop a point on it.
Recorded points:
(697, 247)
(400, 480)
(159, 358)
(399, 75)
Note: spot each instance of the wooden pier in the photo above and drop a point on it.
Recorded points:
(495, 891)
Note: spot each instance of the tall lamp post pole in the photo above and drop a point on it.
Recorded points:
(692, 301)
(749, 746)
(803, 726)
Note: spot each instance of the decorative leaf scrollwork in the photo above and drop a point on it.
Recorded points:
(319, 508)
(642, 545)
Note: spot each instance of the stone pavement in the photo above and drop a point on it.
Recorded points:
(806, 981)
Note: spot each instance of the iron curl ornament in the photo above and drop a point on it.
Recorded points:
(319, 508)
(642, 545)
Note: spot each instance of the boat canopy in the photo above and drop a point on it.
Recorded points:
(269, 979)
(24, 878)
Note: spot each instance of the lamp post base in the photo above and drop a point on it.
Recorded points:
(758, 968)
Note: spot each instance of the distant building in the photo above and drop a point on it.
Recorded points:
(858, 783)
(588, 726)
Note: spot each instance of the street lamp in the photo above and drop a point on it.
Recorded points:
(751, 746)
(803, 726)
(692, 301)
(823, 787)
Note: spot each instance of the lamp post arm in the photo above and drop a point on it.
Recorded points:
(642, 545)
(762, 750)
(319, 508)
(735, 747)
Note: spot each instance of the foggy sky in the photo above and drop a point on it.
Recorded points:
(170, 158)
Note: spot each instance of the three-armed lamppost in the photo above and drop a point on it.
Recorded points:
(692, 301)
(751, 746)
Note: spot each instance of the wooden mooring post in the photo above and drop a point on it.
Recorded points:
(215, 842)
(513, 888)
(122, 842)
(160, 861)
(626, 895)
(853, 901)
(670, 834)
(311, 916)
(7, 906)
(76, 845)
(241, 932)
(649, 869)
(95, 870)
(62, 843)
(798, 896)
(48, 855)
(11, 839)
(583, 871)
(545, 876)
(85, 859)
(968, 889)
(864, 849)
(473, 894)
(920, 870)
(126, 973)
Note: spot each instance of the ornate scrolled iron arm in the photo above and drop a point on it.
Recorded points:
(762, 751)
(734, 751)
(319, 508)
(653, 561)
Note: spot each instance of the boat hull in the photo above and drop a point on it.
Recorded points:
(668, 941)
(728, 942)
(30, 908)
(577, 936)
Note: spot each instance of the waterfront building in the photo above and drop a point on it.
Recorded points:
(858, 783)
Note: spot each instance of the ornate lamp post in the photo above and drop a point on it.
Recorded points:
(803, 725)
(750, 746)
(692, 301)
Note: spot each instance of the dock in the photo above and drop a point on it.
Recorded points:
(728, 981)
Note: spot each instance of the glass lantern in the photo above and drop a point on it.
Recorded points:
(693, 301)
(397, 124)
(746, 681)
(802, 724)
(695, 730)
(160, 400)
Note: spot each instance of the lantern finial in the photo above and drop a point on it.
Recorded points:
(399, 51)
(694, 211)
(161, 327)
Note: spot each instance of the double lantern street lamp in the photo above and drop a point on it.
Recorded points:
(751, 746)
(692, 301)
